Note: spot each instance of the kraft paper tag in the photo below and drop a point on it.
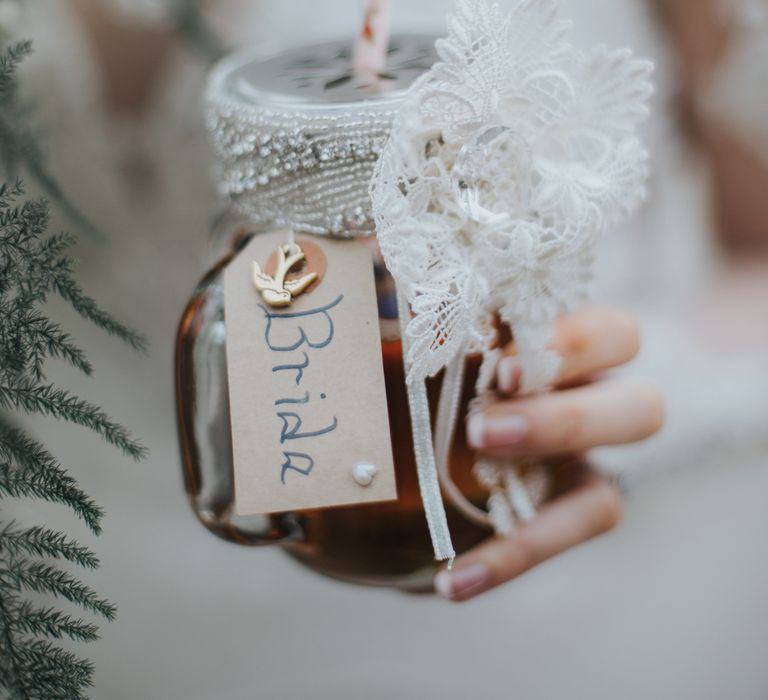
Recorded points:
(306, 381)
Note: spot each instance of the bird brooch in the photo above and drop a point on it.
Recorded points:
(277, 291)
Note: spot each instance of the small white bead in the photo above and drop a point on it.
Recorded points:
(364, 473)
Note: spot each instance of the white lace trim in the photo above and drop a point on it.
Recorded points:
(506, 162)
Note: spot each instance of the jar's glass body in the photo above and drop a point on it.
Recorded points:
(297, 136)
(380, 544)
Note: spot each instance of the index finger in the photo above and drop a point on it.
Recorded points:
(589, 340)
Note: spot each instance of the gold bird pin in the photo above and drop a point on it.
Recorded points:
(276, 291)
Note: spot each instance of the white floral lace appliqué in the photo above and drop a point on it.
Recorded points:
(506, 162)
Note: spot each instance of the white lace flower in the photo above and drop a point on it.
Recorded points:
(506, 162)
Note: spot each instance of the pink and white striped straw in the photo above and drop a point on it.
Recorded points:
(370, 55)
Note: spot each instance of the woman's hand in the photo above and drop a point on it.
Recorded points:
(582, 413)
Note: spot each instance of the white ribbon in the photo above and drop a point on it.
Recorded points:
(510, 494)
(445, 427)
(424, 453)
(433, 459)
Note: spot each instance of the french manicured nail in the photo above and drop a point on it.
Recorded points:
(463, 583)
(508, 374)
(495, 430)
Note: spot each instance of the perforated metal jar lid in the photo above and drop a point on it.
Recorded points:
(297, 135)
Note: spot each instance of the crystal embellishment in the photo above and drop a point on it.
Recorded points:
(299, 169)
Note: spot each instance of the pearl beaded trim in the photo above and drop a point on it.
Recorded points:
(305, 168)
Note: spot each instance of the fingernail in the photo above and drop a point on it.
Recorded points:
(475, 429)
(495, 430)
(508, 374)
(463, 583)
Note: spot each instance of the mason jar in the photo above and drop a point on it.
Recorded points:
(296, 137)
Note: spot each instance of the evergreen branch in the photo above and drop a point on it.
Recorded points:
(44, 578)
(9, 193)
(70, 291)
(11, 677)
(34, 265)
(31, 218)
(52, 671)
(13, 143)
(52, 249)
(54, 486)
(44, 542)
(48, 622)
(9, 63)
(49, 340)
(33, 160)
(19, 146)
(48, 400)
(39, 475)
(41, 339)
(56, 244)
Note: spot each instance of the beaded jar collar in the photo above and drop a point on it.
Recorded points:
(297, 136)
